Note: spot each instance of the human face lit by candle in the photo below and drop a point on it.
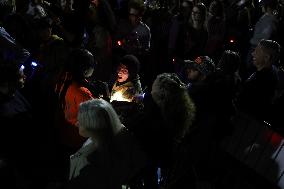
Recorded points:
(122, 73)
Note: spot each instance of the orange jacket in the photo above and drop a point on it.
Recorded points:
(74, 96)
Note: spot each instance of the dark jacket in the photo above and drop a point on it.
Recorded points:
(258, 92)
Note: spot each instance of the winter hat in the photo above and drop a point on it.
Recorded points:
(203, 64)
(132, 64)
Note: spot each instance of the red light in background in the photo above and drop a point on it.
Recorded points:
(232, 40)
(273, 138)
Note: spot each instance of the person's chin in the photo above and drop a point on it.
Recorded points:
(120, 80)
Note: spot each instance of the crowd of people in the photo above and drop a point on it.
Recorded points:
(132, 94)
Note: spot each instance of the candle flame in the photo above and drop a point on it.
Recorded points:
(119, 97)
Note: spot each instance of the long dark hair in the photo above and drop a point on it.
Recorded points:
(77, 63)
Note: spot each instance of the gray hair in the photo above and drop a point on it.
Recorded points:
(272, 48)
(99, 115)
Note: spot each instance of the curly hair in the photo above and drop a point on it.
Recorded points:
(175, 103)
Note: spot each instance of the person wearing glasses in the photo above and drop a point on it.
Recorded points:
(138, 40)
(127, 84)
(193, 37)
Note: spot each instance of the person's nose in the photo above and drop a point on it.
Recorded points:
(253, 53)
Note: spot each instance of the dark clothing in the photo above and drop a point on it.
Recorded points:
(214, 108)
(192, 43)
(151, 130)
(277, 115)
(216, 37)
(19, 134)
(107, 166)
(10, 50)
(258, 92)
(213, 100)
(156, 139)
(16, 120)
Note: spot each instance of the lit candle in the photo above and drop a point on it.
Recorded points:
(119, 97)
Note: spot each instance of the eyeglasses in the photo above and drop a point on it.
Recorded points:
(122, 70)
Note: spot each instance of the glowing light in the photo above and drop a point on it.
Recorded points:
(34, 64)
(119, 97)
(22, 67)
(267, 123)
(198, 60)
(119, 43)
(232, 41)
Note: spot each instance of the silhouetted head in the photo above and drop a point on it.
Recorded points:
(12, 77)
(81, 63)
